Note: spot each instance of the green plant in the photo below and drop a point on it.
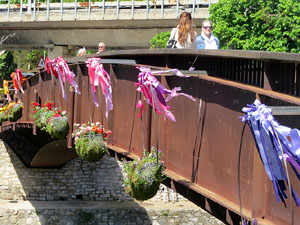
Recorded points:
(89, 141)
(160, 40)
(142, 177)
(14, 112)
(86, 217)
(270, 25)
(52, 120)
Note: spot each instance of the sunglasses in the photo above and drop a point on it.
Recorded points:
(207, 27)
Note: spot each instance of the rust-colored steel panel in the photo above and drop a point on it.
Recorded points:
(202, 148)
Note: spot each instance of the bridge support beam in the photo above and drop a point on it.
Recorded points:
(55, 51)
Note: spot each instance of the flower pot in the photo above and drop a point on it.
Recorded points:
(91, 148)
(58, 127)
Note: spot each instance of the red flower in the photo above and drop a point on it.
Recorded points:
(56, 115)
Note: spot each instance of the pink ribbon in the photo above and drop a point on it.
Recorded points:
(60, 69)
(98, 76)
(154, 92)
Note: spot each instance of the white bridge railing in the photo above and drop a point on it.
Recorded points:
(34, 10)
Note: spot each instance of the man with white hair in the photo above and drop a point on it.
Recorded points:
(101, 47)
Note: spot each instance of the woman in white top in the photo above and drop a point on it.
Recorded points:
(184, 33)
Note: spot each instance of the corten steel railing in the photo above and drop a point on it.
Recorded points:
(98, 9)
(201, 149)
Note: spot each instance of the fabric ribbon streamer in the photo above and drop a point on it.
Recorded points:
(17, 79)
(6, 90)
(98, 76)
(266, 132)
(154, 92)
(60, 69)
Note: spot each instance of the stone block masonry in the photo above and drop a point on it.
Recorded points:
(84, 193)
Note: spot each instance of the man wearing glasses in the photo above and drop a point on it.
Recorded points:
(101, 47)
(207, 40)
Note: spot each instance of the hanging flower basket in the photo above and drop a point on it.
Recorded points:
(14, 113)
(89, 141)
(143, 177)
(52, 120)
(3, 117)
(58, 126)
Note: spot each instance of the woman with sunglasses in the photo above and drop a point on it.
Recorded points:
(184, 33)
(207, 40)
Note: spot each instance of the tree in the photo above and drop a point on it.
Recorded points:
(270, 25)
(7, 66)
(160, 40)
(27, 59)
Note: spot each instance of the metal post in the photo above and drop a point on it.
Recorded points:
(71, 115)
(75, 10)
(132, 9)
(34, 10)
(177, 9)
(89, 12)
(162, 8)
(147, 9)
(193, 11)
(61, 9)
(118, 8)
(21, 10)
(103, 9)
(48, 9)
(8, 6)
(36, 97)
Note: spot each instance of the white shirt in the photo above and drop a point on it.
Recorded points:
(210, 43)
(188, 42)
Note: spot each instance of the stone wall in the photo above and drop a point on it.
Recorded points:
(77, 179)
(84, 193)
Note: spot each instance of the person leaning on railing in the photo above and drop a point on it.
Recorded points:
(184, 33)
(207, 40)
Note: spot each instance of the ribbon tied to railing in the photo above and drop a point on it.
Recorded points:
(154, 91)
(99, 76)
(17, 79)
(6, 90)
(274, 143)
(60, 69)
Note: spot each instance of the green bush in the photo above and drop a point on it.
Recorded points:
(160, 40)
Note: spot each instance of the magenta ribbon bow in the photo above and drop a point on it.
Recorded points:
(154, 92)
(98, 76)
(59, 67)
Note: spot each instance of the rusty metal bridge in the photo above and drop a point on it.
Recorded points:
(209, 159)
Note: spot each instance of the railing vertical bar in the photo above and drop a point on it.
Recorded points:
(162, 8)
(34, 10)
(8, 6)
(147, 10)
(118, 8)
(48, 9)
(71, 115)
(297, 74)
(103, 9)
(262, 69)
(21, 10)
(36, 99)
(132, 9)
(61, 9)
(89, 12)
(177, 9)
(75, 10)
(193, 10)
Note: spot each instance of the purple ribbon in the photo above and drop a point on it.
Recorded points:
(263, 127)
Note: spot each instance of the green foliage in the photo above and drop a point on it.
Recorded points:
(15, 112)
(58, 127)
(91, 148)
(86, 217)
(27, 59)
(270, 25)
(142, 177)
(160, 40)
(7, 65)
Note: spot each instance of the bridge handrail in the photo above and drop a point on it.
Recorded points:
(35, 6)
